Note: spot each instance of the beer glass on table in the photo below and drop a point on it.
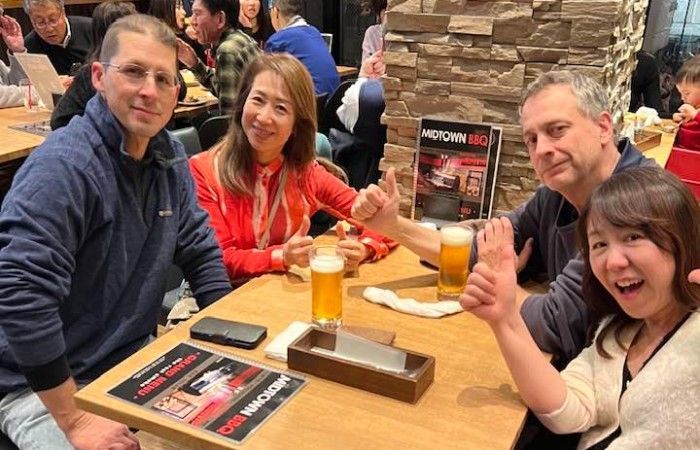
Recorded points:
(327, 268)
(455, 248)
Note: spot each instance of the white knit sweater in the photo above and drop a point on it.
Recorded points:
(660, 408)
(9, 95)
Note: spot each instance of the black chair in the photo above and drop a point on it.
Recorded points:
(173, 281)
(359, 152)
(189, 138)
(6, 443)
(328, 118)
(320, 105)
(212, 130)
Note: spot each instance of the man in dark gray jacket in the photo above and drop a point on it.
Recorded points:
(94, 219)
(572, 155)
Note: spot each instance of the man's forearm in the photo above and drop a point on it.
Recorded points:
(520, 296)
(59, 402)
(422, 241)
(203, 74)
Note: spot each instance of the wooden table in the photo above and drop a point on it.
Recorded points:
(15, 143)
(661, 152)
(18, 144)
(346, 72)
(200, 92)
(472, 402)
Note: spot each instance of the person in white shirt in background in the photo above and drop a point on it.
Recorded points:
(373, 69)
(10, 93)
(358, 140)
(374, 35)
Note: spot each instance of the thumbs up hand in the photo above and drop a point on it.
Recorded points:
(354, 251)
(377, 209)
(296, 249)
(694, 276)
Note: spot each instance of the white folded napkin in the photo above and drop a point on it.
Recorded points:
(410, 305)
(650, 114)
(277, 349)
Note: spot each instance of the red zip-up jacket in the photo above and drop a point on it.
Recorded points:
(240, 221)
(688, 136)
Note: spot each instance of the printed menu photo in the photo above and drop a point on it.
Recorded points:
(219, 393)
(455, 171)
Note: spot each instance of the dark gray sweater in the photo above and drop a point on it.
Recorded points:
(559, 319)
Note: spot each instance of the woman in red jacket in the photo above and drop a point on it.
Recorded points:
(262, 183)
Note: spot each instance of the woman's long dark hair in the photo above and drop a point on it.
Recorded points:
(237, 161)
(265, 29)
(165, 11)
(659, 205)
(103, 16)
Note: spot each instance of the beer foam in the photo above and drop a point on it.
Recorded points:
(327, 264)
(455, 236)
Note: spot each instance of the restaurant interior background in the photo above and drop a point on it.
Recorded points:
(672, 31)
(672, 35)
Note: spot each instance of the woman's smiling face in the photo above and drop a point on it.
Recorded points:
(268, 116)
(637, 272)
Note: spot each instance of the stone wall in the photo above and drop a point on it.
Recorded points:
(470, 60)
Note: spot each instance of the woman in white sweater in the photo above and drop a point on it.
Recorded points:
(10, 95)
(638, 385)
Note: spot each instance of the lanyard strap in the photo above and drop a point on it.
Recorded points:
(265, 238)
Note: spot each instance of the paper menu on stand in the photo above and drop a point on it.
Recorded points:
(43, 76)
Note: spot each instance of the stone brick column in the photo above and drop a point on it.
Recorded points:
(470, 60)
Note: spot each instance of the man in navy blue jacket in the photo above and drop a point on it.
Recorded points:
(92, 222)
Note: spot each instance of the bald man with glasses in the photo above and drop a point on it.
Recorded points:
(64, 39)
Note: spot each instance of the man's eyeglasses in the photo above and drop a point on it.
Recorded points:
(136, 75)
(51, 22)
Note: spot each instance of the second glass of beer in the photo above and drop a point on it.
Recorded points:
(327, 268)
(455, 249)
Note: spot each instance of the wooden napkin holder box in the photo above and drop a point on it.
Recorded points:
(407, 386)
(647, 139)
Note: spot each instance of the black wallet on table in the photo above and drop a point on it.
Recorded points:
(228, 332)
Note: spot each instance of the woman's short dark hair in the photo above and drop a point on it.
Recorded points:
(104, 15)
(236, 167)
(658, 204)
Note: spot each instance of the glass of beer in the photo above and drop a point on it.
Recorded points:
(327, 268)
(455, 248)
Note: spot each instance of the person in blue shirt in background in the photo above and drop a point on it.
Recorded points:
(303, 41)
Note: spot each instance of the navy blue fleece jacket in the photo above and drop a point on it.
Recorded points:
(87, 234)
